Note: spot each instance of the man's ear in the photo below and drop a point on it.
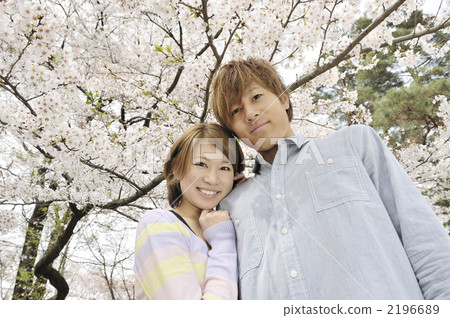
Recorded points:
(285, 100)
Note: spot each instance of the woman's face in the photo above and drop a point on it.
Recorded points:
(208, 179)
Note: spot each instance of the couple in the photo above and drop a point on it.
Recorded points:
(334, 218)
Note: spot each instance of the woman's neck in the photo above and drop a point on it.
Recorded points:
(187, 211)
(191, 215)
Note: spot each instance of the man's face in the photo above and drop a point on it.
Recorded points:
(259, 119)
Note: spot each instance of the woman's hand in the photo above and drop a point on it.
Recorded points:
(209, 218)
(239, 178)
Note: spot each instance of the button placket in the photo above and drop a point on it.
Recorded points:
(283, 220)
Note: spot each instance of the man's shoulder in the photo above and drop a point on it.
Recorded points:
(352, 130)
(241, 191)
(349, 133)
(356, 129)
(244, 187)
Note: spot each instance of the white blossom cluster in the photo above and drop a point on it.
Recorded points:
(429, 165)
(7, 221)
(94, 93)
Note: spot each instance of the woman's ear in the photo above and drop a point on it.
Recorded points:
(176, 175)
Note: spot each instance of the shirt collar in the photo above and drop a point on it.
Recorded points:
(298, 141)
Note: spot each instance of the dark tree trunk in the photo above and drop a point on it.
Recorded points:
(23, 288)
(44, 267)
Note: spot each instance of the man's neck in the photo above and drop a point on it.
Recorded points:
(270, 154)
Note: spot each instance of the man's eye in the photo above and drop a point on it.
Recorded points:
(235, 111)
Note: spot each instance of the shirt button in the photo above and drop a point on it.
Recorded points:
(284, 230)
(278, 196)
(293, 273)
(236, 222)
(330, 161)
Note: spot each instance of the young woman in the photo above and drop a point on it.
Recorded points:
(189, 252)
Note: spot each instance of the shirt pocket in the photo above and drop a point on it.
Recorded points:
(248, 243)
(336, 182)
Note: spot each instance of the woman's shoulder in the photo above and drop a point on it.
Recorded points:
(158, 215)
(162, 220)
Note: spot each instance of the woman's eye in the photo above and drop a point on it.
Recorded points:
(200, 164)
(225, 168)
(235, 111)
(257, 96)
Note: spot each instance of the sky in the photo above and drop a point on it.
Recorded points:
(431, 6)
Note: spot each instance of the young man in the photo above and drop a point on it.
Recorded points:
(335, 218)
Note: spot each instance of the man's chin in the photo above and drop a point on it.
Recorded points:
(260, 143)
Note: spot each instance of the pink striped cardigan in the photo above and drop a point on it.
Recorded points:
(171, 262)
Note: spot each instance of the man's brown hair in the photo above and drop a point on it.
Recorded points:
(181, 153)
(234, 77)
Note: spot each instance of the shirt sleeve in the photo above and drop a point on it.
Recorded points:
(167, 268)
(424, 238)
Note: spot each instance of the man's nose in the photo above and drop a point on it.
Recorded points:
(252, 114)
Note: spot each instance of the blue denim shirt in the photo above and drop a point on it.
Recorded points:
(337, 218)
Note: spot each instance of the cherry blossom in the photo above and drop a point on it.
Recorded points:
(93, 94)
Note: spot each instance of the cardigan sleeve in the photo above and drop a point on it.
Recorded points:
(171, 262)
(221, 271)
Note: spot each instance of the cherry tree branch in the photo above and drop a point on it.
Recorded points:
(29, 38)
(112, 172)
(217, 65)
(314, 123)
(9, 87)
(344, 54)
(177, 75)
(284, 25)
(207, 31)
(411, 36)
(325, 32)
(166, 30)
(207, 44)
(140, 193)
(429, 157)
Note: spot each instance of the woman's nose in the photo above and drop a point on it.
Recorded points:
(211, 177)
